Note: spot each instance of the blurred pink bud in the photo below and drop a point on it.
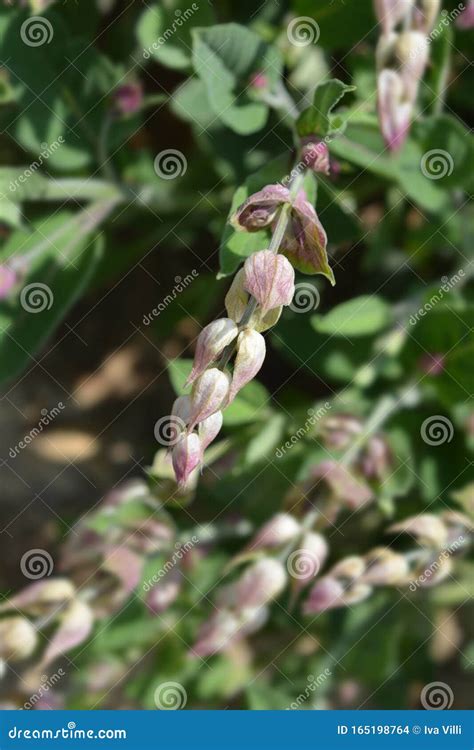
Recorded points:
(236, 302)
(329, 593)
(74, 628)
(394, 110)
(41, 597)
(433, 572)
(209, 428)
(17, 638)
(165, 592)
(390, 12)
(412, 53)
(428, 529)
(250, 356)
(339, 431)
(216, 634)
(260, 583)
(186, 456)
(270, 279)
(209, 392)
(259, 210)
(385, 568)
(211, 341)
(128, 98)
(466, 19)
(344, 485)
(182, 409)
(425, 14)
(377, 458)
(432, 364)
(8, 279)
(349, 568)
(280, 529)
(259, 80)
(315, 155)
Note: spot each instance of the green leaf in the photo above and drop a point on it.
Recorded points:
(165, 34)
(361, 316)
(448, 156)
(224, 57)
(318, 118)
(57, 280)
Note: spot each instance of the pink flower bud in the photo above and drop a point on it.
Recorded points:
(432, 364)
(412, 53)
(209, 428)
(260, 209)
(425, 14)
(17, 638)
(212, 340)
(165, 592)
(216, 634)
(377, 458)
(326, 593)
(269, 278)
(315, 155)
(8, 279)
(394, 110)
(385, 568)
(260, 583)
(128, 98)
(344, 485)
(250, 356)
(208, 395)
(466, 19)
(428, 529)
(186, 456)
(182, 409)
(390, 12)
(279, 530)
(259, 80)
(236, 302)
(305, 241)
